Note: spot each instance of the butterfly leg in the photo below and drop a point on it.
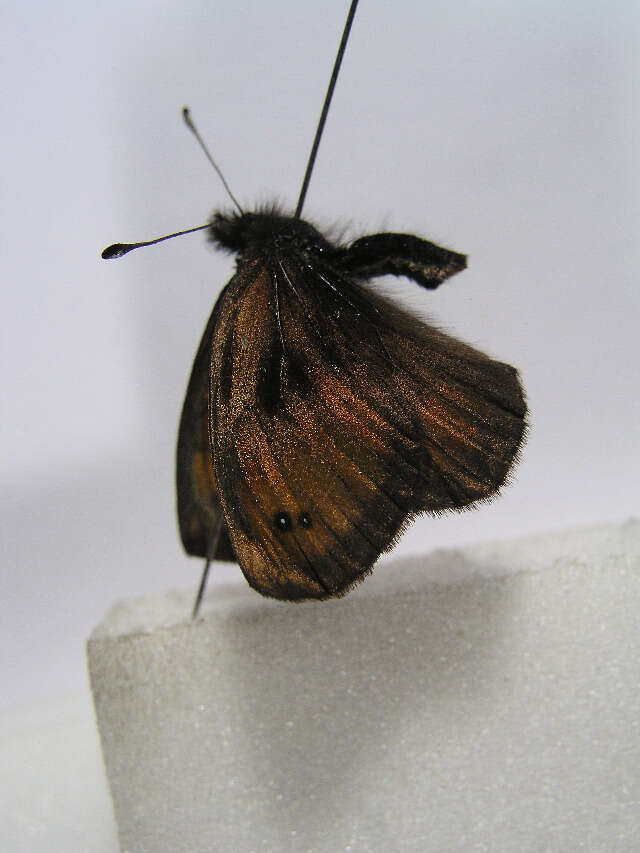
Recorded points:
(400, 254)
(205, 572)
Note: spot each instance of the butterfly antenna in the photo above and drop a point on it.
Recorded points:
(117, 250)
(186, 115)
(325, 107)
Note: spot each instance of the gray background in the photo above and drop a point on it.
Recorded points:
(508, 131)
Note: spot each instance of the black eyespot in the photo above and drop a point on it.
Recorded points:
(304, 519)
(282, 521)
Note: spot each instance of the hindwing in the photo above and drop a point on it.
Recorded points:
(335, 417)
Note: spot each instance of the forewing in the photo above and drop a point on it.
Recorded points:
(336, 418)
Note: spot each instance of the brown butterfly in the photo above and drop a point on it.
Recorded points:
(320, 418)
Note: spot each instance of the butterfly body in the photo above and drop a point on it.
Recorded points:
(320, 418)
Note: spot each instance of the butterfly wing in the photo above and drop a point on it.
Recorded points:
(336, 418)
(199, 510)
(399, 254)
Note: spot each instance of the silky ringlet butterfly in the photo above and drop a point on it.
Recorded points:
(319, 417)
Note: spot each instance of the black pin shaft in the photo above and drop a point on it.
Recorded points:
(325, 107)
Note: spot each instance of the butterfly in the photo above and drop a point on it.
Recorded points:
(320, 418)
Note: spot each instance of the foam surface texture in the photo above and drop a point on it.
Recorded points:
(469, 700)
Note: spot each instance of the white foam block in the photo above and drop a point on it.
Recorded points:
(497, 712)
